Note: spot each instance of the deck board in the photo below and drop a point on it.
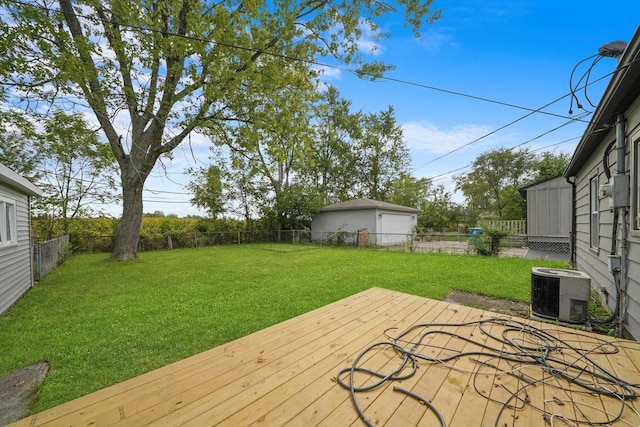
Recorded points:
(285, 375)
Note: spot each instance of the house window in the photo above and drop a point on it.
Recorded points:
(635, 181)
(593, 209)
(7, 222)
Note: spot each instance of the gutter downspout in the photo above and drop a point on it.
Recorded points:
(623, 205)
(572, 233)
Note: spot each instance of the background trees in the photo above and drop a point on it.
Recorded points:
(491, 188)
(550, 165)
(292, 158)
(166, 69)
(75, 171)
(492, 185)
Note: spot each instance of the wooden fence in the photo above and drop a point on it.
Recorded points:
(516, 227)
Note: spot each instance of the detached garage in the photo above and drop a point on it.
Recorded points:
(385, 222)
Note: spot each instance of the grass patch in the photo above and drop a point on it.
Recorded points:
(99, 323)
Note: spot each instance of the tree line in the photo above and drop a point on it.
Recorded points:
(244, 74)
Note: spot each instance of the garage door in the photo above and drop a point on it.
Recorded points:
(394, 228)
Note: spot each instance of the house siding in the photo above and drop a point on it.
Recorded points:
(592, 261)
(633, 265)
(15, 260)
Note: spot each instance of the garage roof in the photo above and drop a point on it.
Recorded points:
(363, 204)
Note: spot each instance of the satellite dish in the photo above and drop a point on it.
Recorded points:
(613, 49)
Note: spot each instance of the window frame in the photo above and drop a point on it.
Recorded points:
(635, 183)
(8, 217)
(594, 213)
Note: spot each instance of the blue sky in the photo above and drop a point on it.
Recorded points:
(516, 52)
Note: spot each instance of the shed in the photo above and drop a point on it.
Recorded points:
(15, 236)
(386, 223)
(605, 170)
(548, 214)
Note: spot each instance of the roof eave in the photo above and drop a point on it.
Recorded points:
(622, 91)
(12, 179)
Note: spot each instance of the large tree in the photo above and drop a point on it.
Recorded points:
(492, 185)
(273, 144)
(332, 153)
(382, 155)
(154, 71)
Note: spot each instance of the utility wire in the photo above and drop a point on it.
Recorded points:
(358, 73)
(310, 62)
(513, 148)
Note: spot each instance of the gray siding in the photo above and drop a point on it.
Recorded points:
(549, 208)
(15, 260)
(592, 261)
(371, 219)
(327, 222)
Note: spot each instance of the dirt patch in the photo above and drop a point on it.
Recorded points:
(497, 305)
(17, 389)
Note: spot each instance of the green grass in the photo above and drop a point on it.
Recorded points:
(99, 322)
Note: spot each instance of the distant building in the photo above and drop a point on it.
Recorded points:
(386, 223)
(548, 214)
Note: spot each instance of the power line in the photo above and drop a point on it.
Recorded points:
(510, 149)
(341, 68)
(316, 63)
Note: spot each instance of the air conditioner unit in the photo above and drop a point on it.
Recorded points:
(560, 294)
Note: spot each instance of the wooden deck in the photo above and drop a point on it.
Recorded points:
(286, 374)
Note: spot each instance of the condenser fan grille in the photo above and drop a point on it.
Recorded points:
(545, 296)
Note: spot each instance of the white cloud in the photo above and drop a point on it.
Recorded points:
(434, 40)
(425, 136)
(328, 73)
(367, 43)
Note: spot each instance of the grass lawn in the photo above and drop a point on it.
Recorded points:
(99, 323)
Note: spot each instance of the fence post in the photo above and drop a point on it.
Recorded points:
(38, 256)
(238, 236)
(169, 243)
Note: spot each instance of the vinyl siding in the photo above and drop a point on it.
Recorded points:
(354, 220)
(15, 260)
(549, 208)
(592, 261)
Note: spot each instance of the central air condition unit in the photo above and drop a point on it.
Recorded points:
(560, 294)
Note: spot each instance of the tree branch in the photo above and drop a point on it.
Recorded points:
(96, 97)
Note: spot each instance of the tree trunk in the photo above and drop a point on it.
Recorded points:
(128, 234)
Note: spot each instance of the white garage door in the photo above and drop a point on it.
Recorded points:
(394, 228)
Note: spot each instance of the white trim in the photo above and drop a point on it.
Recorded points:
(8, 229)
(594, 212)
(635, 181)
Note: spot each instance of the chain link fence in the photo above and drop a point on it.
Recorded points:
(194, 239)
(455, 241)
(47, 255)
